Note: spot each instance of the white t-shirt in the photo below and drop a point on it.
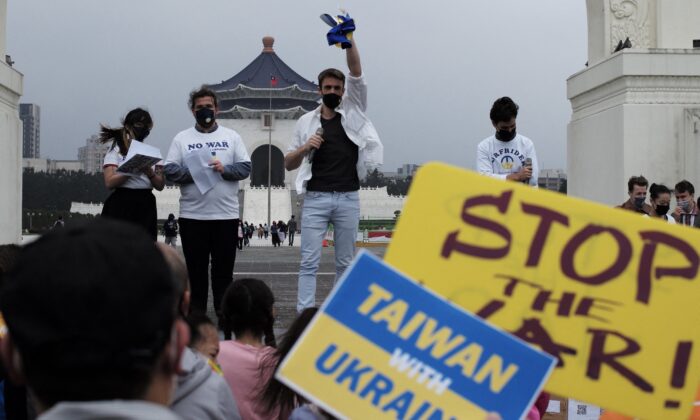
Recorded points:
(221, 202)
(135, 182)
(498, 159)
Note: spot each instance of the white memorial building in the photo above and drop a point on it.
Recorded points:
(636, 111)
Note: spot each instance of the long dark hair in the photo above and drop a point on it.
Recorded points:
(276, 394)
(247, 306)
(121, 137)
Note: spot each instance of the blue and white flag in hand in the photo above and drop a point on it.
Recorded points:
(341, 31)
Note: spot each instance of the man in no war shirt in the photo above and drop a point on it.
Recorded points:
(505, 155)
(209, 221)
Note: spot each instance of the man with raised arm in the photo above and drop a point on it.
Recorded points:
(333, 146)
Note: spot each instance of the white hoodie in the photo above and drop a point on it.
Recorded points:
(498, 159)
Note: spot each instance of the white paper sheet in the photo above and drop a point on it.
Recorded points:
(139, 157)
(205, 178)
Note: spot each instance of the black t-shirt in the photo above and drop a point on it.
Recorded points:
(334, 167)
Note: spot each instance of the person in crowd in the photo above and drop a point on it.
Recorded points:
(333, 146)
(247, 311)
(201, 392)
(251, 230)
(277, 397)
(637, 192)
(507, 154)
(208, 221)
(246, 234)
(132, 198)
(240, 238)
(106, 342)
(291, 230)
(16, 404)
(686, 210)
(275, 234)
(282, 228)
(204, 337)
(170, 229)
(660, 199)
(265, 230)
(260, 232)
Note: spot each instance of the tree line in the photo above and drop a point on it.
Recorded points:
(55, 191)
(394, 186)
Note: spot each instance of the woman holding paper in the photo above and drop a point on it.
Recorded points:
(132, 198)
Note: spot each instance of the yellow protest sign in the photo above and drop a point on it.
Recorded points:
(612, 295)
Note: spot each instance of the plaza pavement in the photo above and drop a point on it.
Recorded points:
(279, 268)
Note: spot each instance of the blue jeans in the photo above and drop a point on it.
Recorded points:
(321, 208)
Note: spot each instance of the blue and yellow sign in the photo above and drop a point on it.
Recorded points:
(382, 346)
(612, 295)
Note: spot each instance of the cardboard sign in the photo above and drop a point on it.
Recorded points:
(611, 294)
(382, 346)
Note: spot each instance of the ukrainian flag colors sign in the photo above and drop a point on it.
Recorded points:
(384, 347)
(612, 295)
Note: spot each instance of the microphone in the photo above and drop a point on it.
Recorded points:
(319, 132)
(527, 164)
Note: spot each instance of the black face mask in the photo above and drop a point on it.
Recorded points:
(332, 100)
(662, 210)
(140, 133)
(205, 117)
(505, 135)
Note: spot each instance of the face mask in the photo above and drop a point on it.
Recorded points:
(639, 202)
(685, 205)
(140, 133)
(662, 209)
(331, 100)
(505, 135)
(204, 117)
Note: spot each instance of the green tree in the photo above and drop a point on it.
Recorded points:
(374, 179)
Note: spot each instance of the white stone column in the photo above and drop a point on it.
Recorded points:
(635, 112)
(3, 20)
(10, 144)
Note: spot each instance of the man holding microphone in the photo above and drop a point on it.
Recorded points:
(507, 155)
(333, 146)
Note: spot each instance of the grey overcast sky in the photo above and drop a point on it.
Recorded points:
(433, 67)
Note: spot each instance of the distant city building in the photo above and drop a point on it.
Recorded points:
(64, 165)
(37, 165)
(551, 179)
(51, 165)
(92, 155)
(30, 116)
(406, 170)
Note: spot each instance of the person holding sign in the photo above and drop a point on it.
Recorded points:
(332, 146)
(208, 204)
(132, 198)
(507, 154)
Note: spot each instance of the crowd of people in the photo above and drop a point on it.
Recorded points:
(116, 338)
(113, 324)
(660, 196)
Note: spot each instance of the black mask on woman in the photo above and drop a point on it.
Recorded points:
(332, 100)
(662, 210)
(204, 117)
(505, 135)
